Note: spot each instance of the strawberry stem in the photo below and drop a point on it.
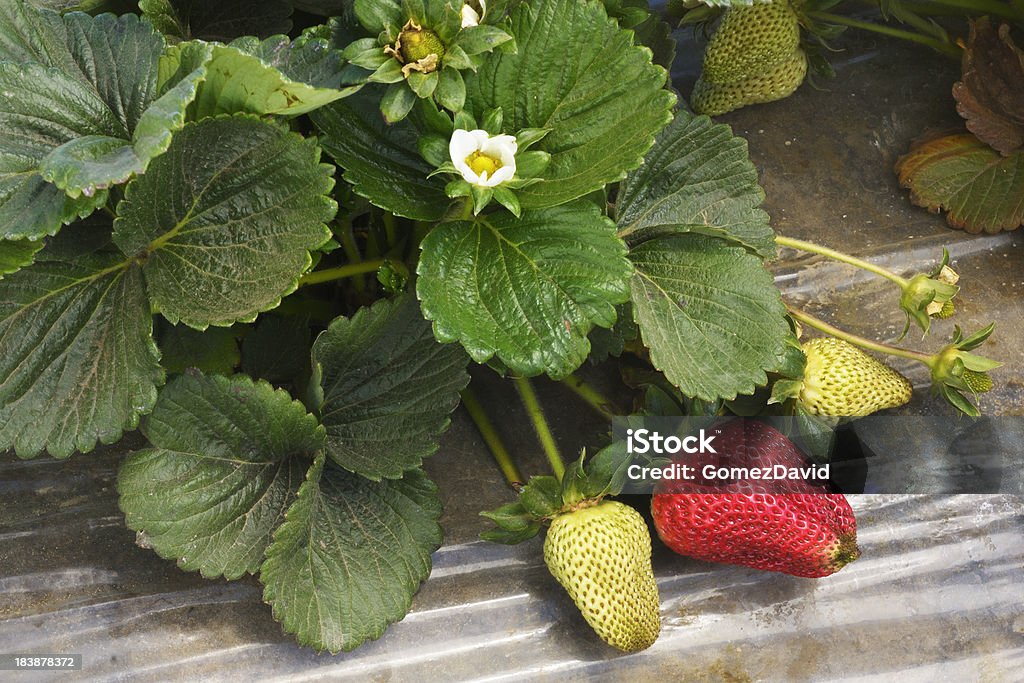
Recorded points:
(486, 428)
(346, 271)
(822, 326)
(601, 404)
(934, 43)
(813, 248)
(540, 425)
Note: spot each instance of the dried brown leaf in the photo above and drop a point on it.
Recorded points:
(990, 94)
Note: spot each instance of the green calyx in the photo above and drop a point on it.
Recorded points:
(955, 370)
(928, 296)
(586, 483)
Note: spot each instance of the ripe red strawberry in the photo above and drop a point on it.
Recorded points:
(786, 526)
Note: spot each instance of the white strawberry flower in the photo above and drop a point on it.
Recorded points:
(482, 159)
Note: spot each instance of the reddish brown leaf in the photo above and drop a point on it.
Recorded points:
(990, 94)
(978, 188)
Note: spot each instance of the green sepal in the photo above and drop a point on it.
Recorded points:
(458, 188)
(508, 199)
(444, 168)
(371, 58)
(792, 361)
(423, 84)
(451, 89)
(493, 119)
(975, 340)
(388, 72)
(397, 102)
(785, 389)
(918, 294)
(465, 121)
(511, 537)
(959, 401)
(573, 482)
(510, 517)
(529, 165)
(476, 40)
(481, 197)
(542, 496)
(434, 149)
(456, 58)
(606, 471)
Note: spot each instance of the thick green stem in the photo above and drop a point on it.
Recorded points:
(813, 248)
(540, 425)
(341, 272)
(822, 326)
(347, 237)
(934, 43)
(490, 434)
(601, 404)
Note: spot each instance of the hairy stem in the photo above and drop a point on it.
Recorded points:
(832, 330)
(601, 404)
(934, 43)
(486, 428)
(540, 425)
(813, 248)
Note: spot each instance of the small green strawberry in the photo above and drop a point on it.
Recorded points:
(597, 549)
(749, 39)
(775, 83)
(840, 380)
(602, 557)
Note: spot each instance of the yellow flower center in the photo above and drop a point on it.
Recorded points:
(480, 162)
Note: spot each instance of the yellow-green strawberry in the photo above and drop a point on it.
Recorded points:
(840, 380)
(602, 557)
(749, 39)
(771, 84)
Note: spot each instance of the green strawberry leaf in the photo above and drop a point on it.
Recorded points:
(213, 351)
(527, 290)
(278, 349)
(382, 162)
(274, 76)
(979, 189)
(222, 21)
(605, 342)
(16, 254)
(81, 112)
(225, 220)
(603, 101)
(389, 388)
(227, 460)
(64, 6)
(350, 555)
(697, 178)
(710, 314)
(79, 364)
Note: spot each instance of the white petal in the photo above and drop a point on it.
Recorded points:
(469, 16)
(502, 174)
(462, 144)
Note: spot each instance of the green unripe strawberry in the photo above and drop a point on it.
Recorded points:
(978, 382)
(749, 39)
(773, 84)
(602, 557)
(418, 43)
(840, 380)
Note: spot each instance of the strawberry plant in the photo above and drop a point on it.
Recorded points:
(276, 249)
